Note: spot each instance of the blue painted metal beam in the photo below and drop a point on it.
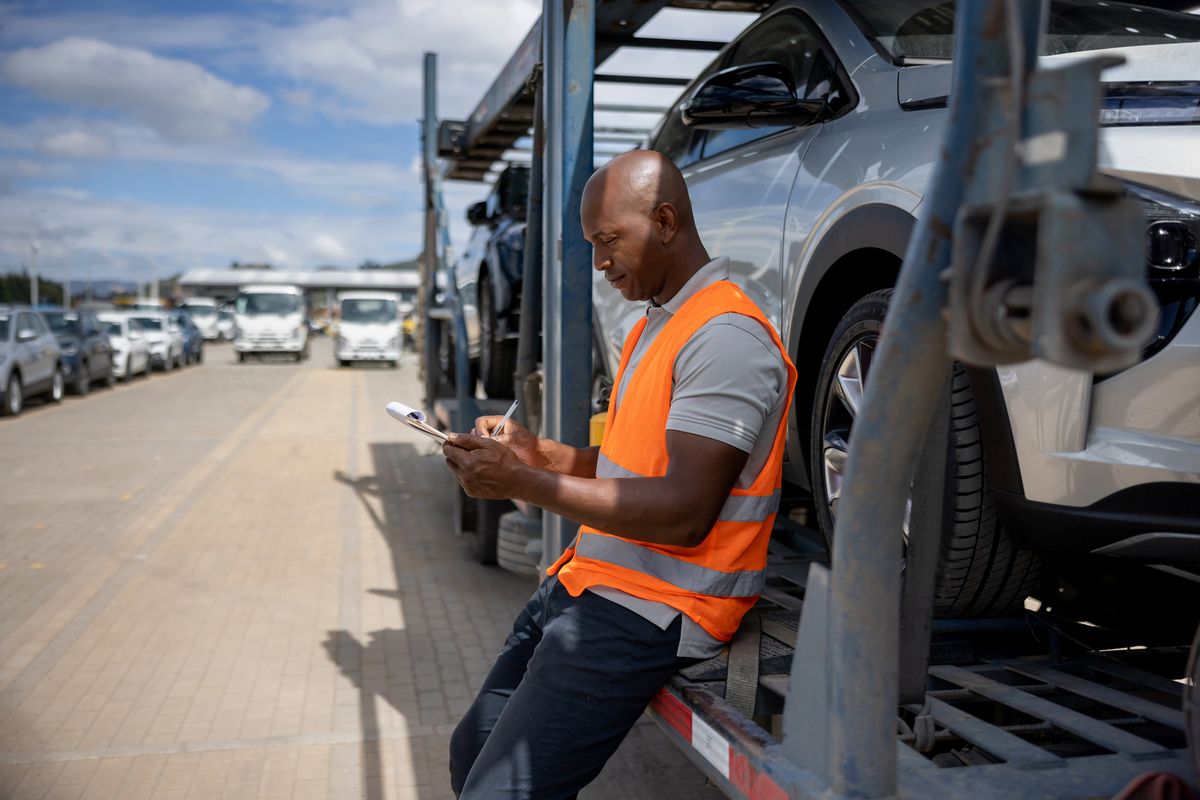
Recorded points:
(569, 51)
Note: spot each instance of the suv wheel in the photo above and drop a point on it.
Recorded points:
(83, 379)
(14, 399)
(497, 357)
(57, 384)
(981, 571)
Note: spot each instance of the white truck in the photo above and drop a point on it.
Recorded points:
(270, 319)
(369, 327)
(203, 311)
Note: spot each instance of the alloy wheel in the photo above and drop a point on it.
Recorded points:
(16, 400)
(842, 407)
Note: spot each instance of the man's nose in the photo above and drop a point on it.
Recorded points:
(600, 262)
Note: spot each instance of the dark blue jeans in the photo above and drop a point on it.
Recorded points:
(573, 677)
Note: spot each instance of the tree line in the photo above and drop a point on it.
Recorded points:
(16, 287)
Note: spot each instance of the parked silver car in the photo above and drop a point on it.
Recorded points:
(808, 145)
(30, 359)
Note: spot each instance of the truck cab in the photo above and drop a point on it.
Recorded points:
(369, 328)
(270, 319)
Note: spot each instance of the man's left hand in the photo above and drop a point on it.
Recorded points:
(485, 467)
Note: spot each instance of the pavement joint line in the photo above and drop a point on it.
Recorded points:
(228, 745)
(158, 526)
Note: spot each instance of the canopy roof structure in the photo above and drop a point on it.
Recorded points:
(473, 147)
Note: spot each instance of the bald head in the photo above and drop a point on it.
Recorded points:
(637, 214)
(642, 179)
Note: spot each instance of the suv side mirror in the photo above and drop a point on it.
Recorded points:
(26, 335)
(759, 95)
(477, 213)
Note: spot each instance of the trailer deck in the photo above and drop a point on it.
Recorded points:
(1004, 715)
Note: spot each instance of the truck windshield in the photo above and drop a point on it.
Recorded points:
(201, 312)
(268, 304)
(363, 310)
(62, 324)
(920, 30)
(149, 323)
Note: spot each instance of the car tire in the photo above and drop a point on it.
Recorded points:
(83, 379)
(58, 385)
(128, 374)
(1191, 701)
(200, 356)
(497, 357)
(981, 570)
(512, 543)
(241, 358)
(14, 396)
(487, 527)
(110, 379)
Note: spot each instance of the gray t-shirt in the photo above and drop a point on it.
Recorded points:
(729, 385)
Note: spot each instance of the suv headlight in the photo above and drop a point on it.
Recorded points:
(1172, 258)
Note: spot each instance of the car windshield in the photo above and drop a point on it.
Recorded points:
(912, 31)
(268, 304)
(113, 329)
(363, 310)
(4, 328)
(61, 323)
(150, 323)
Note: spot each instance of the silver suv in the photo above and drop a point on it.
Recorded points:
(30, 360)
(808, 145)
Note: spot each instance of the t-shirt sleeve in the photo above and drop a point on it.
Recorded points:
(729, 378)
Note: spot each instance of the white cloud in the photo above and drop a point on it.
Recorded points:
(123, 240)
(75, 144)
(366, 64)
(177, 98)
(363, 184)
(328, 247)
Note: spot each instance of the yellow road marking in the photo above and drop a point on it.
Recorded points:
(37, 565)
(39, 526)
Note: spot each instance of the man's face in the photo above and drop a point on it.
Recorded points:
(625, 241)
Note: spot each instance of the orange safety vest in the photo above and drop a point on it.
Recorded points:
(719, 580)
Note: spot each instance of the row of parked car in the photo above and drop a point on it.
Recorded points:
(48, 349)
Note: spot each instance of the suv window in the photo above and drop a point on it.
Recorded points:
(28, 322)
(787, 40)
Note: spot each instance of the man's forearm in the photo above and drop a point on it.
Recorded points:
(567, 460)
(645, 509)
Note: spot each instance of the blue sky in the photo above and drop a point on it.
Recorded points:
(139, 137)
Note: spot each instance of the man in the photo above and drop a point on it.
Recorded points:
(676, 508)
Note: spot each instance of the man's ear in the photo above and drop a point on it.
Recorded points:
(668, 222)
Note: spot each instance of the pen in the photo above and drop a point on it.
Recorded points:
(504, 420)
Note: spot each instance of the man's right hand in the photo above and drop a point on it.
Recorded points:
(516, 437)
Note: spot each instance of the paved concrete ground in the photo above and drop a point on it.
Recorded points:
(237, 581)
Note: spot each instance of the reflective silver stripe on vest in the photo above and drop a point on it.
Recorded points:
(737, 508)
(749, 508)
(684, 574)
(606, 468)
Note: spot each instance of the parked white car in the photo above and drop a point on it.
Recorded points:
(270, 319)
(131, 351)
(163, 336)
(204, 312)
(370, 327)
(30, 359)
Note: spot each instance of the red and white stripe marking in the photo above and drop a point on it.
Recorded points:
(714, 748)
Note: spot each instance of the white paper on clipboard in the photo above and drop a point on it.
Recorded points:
(413, 418)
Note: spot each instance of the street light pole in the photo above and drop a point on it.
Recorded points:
(33, 273)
